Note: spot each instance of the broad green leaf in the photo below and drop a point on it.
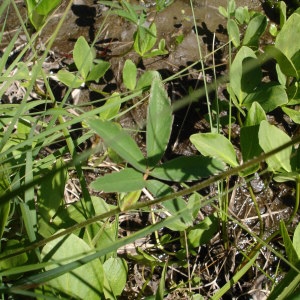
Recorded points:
(296, 241)
(251, 75)
(282, 13)
(255, 29)
(215, 145)
(285, 40)
(44, 7)
(188, 168)
(286, 65)
(288, 245)
(115, 270)
(271, 137)
(84, 282)
(255, 115)
(146, 79)
(122, 143)
(223, 11)
(144, 39)
(129, 199)
(159, 189)
(112, 105)
(83, 57)
(129, 74)
(293, 114)
(69, 79)
(160, 293)
(231, 7)
(14, 261)
(98, 70)
(268, 95)
(160, 51)
(159, 122)
(203, 232)
(126, 180)
(293, 92)
(238, 71)
(250, 147)
(233, 32)
(287, 176)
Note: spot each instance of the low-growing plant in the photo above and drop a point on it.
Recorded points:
(77, 242)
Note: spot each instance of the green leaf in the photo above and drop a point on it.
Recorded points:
(233, 32)
(159, 122)
(215, 145)
(296, 241)
(271, 137)
(285, 40)
(255, 29)
(203, 232)
(144, 39)
(84, 282)
(129, 199)
(129, 75)
(255, 115)
(69, 79)
(188, 168)
(238, 72)
(146, 79)
(268, 95)
(126, 180)
(14, 261)
(98, 70)
(161, 287)
(44, 7)
(122, 143)
(115, 270)
(288, 245)
(286, 65)
(223, 11)
(83, 57)
(112, 105)
(293, 114)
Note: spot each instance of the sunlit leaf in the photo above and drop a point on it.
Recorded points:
(285, 40)
(188, 168)
(159, 122)
(233, 32)
(268, 95)
(69, 79)
(215, 145)
(296, 241)
(129, 75)
(271, 137)
(293, 114)
(83, 57)
(115, 270)
(13, 261)
(84, 282)
(112, 106)
(126, 180)
(98, 70)
(255, 29)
